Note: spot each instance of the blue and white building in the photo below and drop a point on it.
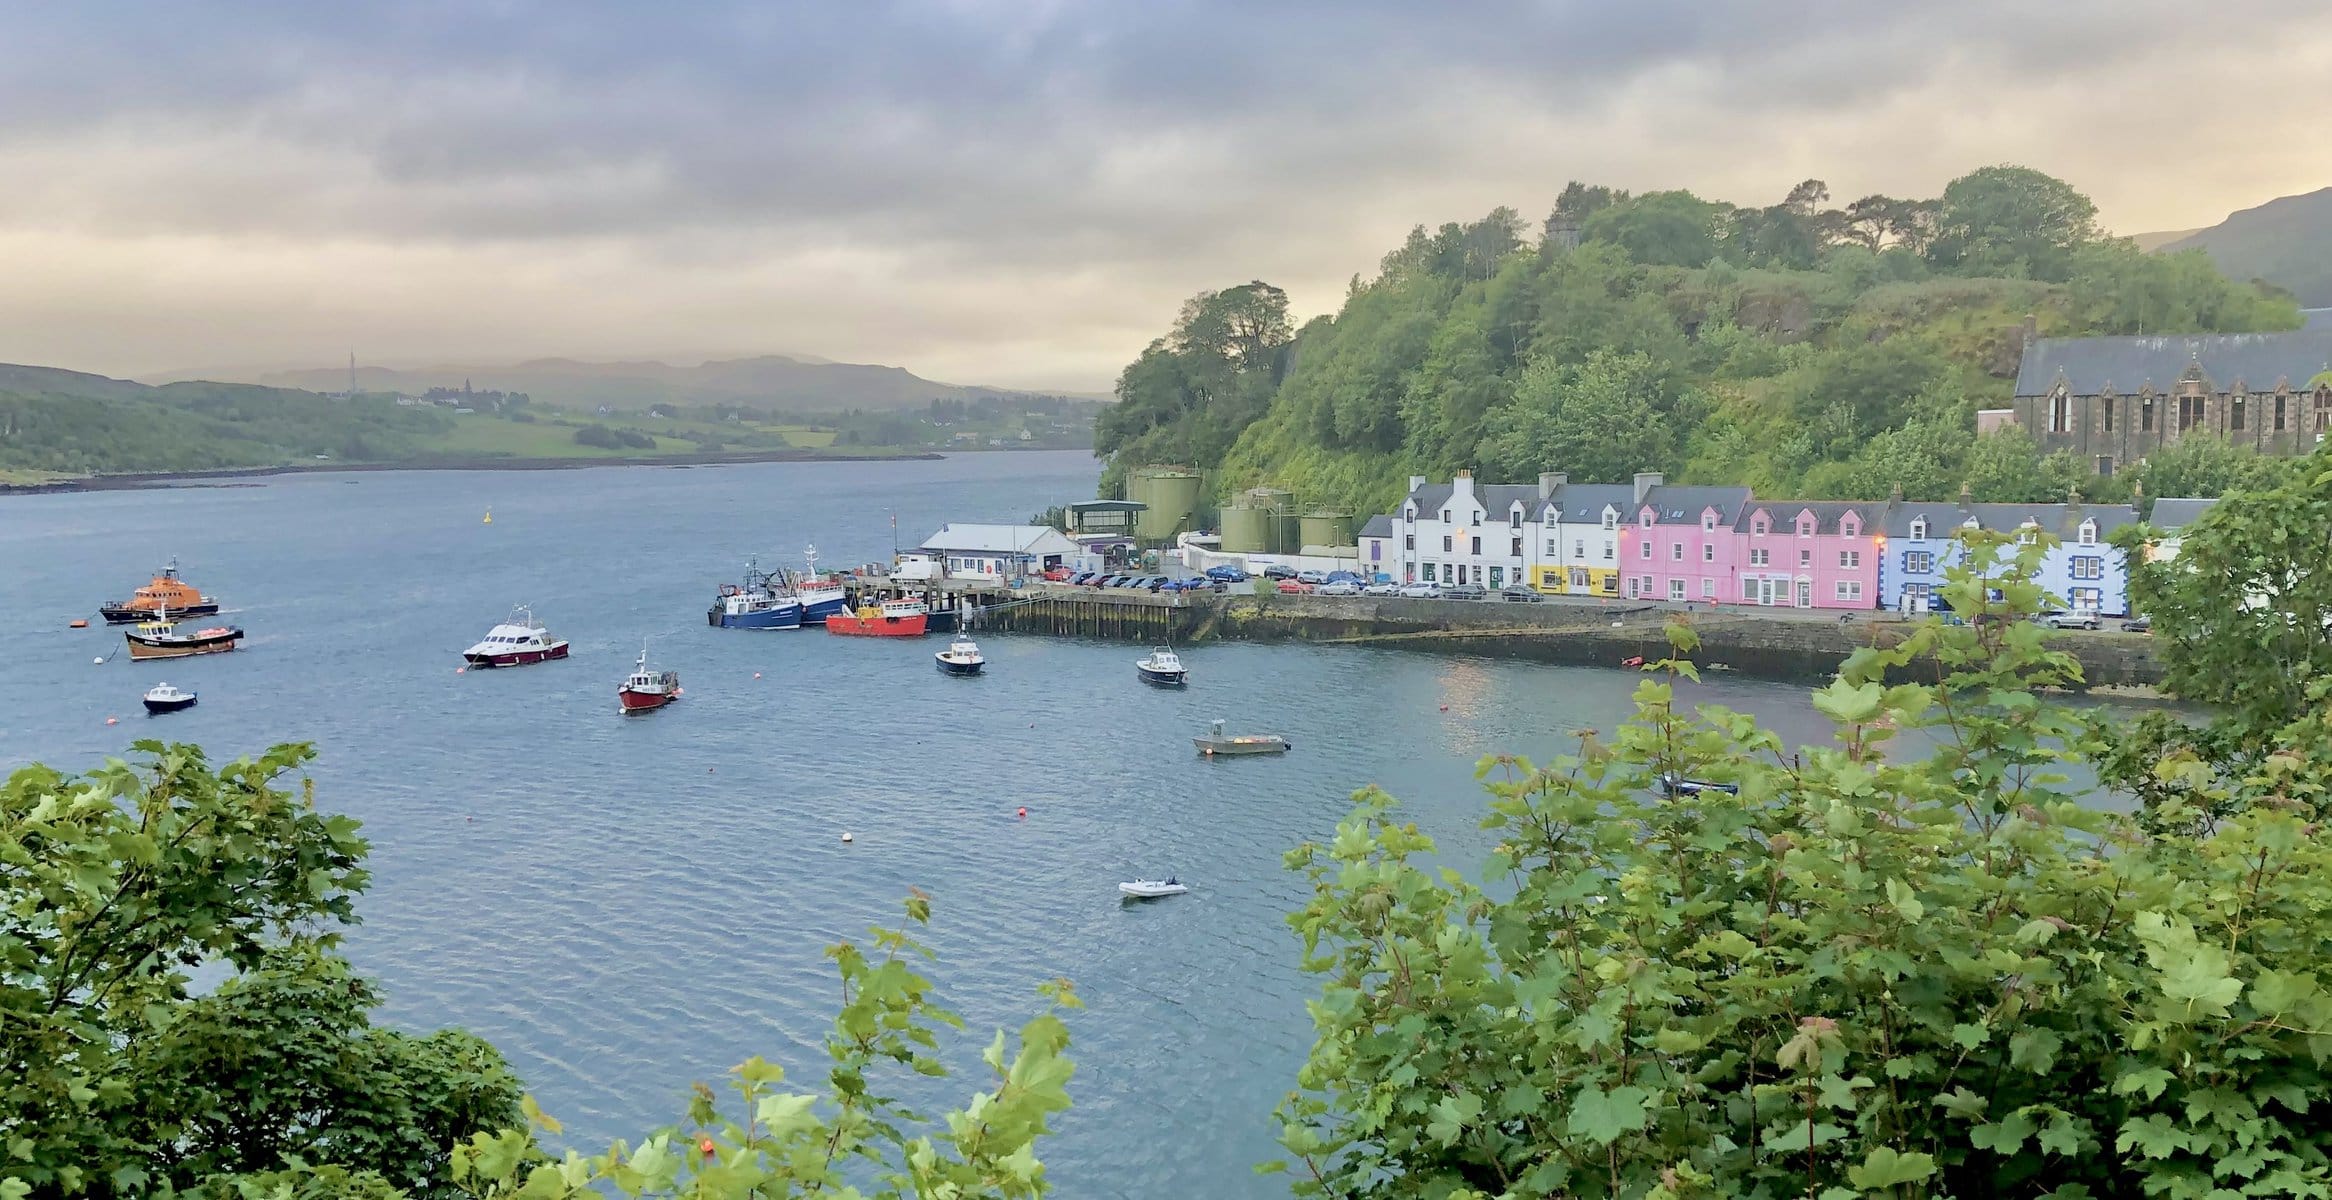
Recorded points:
(2083, 568)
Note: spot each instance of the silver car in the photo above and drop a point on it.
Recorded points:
(1381, 589)
(1342, 587)
(1421, 591)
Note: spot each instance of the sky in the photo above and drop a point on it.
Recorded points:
(1018, 193)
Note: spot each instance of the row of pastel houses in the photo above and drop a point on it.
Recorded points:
(1652, 540)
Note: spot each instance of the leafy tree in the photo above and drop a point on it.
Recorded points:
(772, 1142)
(1873, 386)
(117, 1079)
(2117, 288)
(2202, 465)
(1671, 229)
(1602, 421)
(1579, 201)
(2012, 221)
(1860, 974)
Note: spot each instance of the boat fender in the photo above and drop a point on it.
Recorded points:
(756, 674)
(461, 670)
(1637, 661)
(846, 836)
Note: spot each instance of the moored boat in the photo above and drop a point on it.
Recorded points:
(161, 638)
(1163, 667)
(166, 592)
(517, 642)
(647, 690)
(820, 595)
(891, 618)
(962, 657)
(1215, 743)
(763, 601)
(1151, 889)
(162, 698)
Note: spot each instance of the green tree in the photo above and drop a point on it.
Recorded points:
(1858, 974)
(1601, 421)
(2202, 465)
(117, 1079)
(2012, 221)
(772, 1142)
(1670, 229)
(2118, 289)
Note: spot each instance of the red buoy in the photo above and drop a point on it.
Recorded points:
(1023, 811)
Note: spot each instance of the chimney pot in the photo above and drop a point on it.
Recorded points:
(1895, 493)
(1550, 482)
(1645, 482)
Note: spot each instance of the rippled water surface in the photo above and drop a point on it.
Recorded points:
(625, 905)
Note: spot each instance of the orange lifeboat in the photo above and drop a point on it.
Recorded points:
(166, 593)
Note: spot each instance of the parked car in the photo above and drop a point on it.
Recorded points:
(1228, 574)
(2138, 625)
(1338, 587)
(1279, 571)
(1156, 583)
(1421, 591)
(1381, 589)
(1315, 578)
(1083, 578)
(1056, 574)
(1519, 594)
(2062, 619)
(1464, 591)
(1345, 577)
(1294, 587)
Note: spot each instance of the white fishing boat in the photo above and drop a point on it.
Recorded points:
(1151, 889)
(1163, 667)
(962, 657)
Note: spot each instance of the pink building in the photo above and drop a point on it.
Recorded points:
(1809, 554)
(1681, 545)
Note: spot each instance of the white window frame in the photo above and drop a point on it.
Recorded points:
(1676, 589)
(1919, 529)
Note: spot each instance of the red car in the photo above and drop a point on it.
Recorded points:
(1294, 587)
(1057, 574)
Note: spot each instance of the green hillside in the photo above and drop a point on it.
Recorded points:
(1798, 348)
(2287, 242)
(65, 422)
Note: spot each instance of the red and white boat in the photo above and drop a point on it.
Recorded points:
(891, 618)
(517, 642)
(647, 690)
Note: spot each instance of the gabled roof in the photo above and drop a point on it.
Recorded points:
(2174, 513)
(2064, 520)
(1683, 505)
(1942, 517)
(2127, 364)
(1379, 526)
(1430, 498)
(1583, 503)
(1497, 499)
(999, 539)
(1827, 514)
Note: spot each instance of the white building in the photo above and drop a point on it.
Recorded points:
(2171, 516)
(1555, 536)
(999, 552)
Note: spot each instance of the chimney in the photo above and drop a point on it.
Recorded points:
(2031, 328)
(1645, 482)
(1416, 483)
(1967, 495)
(1550, 482)
(1895, 494)
(1461, 484)
(2073, 496)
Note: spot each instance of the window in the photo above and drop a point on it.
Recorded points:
(1609, 550)
(1445, 547)
(1708, 589)
(2235, 413)
(1676, 552)
(1646, 519)
(1477, 542)
(1517, 551)
(2189, 412)
(1610, 519)
(1805, 558)
(1757, 527)
(1850, 559)
(1850, 527)
(1919, 529)
(2060, 413)
(1805, 529)
(1850, 589)
(2026, 535)
(1445, 516)
(2088, 534)
(1578, 548)
(2088, 566)
(2146, 415)
(1918, 562)
(2105, 409)
(1708, 522)
(1748, 589)
(1644, 583)
(1551, 545)
(2085, 599)
(1408, 541)
(1708, 552)
(1409, 513)
(1676, 589)
(1429, 572)
(1760, 558)
(2279, 418)
(1514, 519)
(1647, 545)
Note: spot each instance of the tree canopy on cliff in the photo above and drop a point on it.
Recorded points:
(1798, 347)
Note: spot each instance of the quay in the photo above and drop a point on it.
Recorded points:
(1782, 644)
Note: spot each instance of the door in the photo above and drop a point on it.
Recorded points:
(1631, 587)
(1805, 594)
(1497, 577)
(1765, 592)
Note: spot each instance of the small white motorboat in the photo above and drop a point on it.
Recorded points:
(962, 657)
(1151, 889)
(1163, 667)
(162, 698)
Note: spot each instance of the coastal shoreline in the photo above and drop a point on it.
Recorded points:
(130, 481)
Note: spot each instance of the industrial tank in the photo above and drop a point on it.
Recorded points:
(1250, 530)
(1326, 527)
(1171, 496)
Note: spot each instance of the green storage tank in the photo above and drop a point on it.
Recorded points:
(1171, 495)
(1249, 530)
(1326, 527)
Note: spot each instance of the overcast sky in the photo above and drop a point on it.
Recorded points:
(1018, 192)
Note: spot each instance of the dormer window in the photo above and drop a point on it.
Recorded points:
(1514, 519)
(1757, 527)
(1646, 519)
(1610, 519)
(1805, 527)
(2088, 533)
(1919, 529)
(1708, 522)
(1409, 513)
(2027, 534)
(1849, 526)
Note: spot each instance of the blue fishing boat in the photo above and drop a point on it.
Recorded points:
(820, 596)
(763, 601)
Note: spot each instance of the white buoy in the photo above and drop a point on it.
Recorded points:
(98, 661)
(846, 837)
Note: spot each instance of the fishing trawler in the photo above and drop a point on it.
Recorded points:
(167, 591)
(763, 601)
(647, 690)
(891, 618)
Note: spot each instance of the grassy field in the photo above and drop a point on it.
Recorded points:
(14, 477)
(482, 436)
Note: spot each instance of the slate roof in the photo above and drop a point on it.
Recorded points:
(998, 539)
(2126, 364)
(1497, 499)
(1430, 498)
(1682, 505)
(1379, 526)
(2171, 512)
(1826, 514)
(1583, 503)
(2064, 520)
(1942, 518)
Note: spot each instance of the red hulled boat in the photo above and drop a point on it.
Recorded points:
(892, 618)
(647, 690)
(518, 642)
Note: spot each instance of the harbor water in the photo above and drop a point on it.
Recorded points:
(626, 904)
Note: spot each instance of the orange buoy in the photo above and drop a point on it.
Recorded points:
(82, 624)
(113, 720)
(460, 670)
(1024, 813)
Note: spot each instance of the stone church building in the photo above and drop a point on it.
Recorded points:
(2115, 400)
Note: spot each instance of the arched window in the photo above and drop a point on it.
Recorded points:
(2235, 413)
(2060, 413)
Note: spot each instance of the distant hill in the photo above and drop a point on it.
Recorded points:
(2287, 242)
(775, 381)
(2150, 242)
